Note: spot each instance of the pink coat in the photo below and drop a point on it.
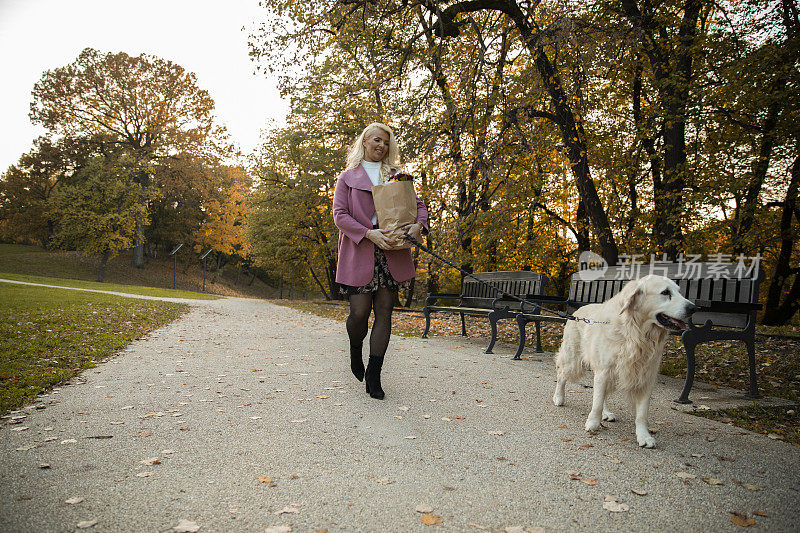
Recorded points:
(352, 213)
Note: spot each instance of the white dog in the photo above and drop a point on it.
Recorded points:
(623, 345)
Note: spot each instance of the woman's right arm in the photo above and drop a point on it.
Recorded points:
(348, 225)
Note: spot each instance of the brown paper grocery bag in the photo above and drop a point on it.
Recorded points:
(396, 206)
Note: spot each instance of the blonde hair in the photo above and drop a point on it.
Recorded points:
(389, 162)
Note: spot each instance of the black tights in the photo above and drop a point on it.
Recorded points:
(381, 302)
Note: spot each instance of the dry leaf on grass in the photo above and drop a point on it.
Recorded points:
(741, 519)
(431, 519)
(186, 526)
(423, 508)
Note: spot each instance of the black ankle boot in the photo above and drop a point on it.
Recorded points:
(356, 362)
(373, 377)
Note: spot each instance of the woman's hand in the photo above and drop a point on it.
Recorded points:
(414, 230)
(379, 237)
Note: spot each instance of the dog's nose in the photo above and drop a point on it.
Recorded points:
(691, 309)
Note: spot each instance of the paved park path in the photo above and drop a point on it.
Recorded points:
(243, 415)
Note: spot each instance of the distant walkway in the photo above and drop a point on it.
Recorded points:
(193, 301)
(243, 415)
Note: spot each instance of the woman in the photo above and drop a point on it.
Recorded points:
(369, 271)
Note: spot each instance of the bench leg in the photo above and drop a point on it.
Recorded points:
(521, 322)
(687, 386)
(463, 326)
(751, 353)
(427, 313)
(493, 339)
(539, 337)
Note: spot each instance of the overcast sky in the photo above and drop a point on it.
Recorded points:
(203, 36)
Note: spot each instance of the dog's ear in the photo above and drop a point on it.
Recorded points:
(631, 298)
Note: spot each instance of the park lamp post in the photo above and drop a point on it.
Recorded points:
(203, 257)
(175, 263)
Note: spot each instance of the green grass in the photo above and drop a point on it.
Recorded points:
(48, 335)
(128, 289)
(120, 275)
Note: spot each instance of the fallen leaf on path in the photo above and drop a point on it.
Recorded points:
(589, 481)
(323, 396)
(611, 504)
(186, 526)
(73, 501)
(144, 474)
(385, 481)
(150, 461)
(85, 524)
(495, 432)
(44, 466)
(685, 475)
(403, 408)
(431, 519)
(760, 513)
(423, 508)
(264, 479)
(411, 437)
(20, 428)
(639, 492)
(712, 480)
(287, 510)
(278, 529)
(68, 441)
(144, 434)
(741, 519)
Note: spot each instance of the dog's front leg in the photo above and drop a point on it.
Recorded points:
(598, 400)
(642, 414)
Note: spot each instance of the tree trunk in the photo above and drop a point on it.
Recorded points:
(319, 283)
(138, 246)
(775, 312)
(672, 69)
(101, 274)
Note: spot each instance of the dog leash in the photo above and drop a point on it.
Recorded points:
(565, 316)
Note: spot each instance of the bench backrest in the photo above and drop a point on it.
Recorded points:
(518, 283)
(714, 282)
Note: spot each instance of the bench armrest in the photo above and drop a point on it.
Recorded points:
(708, 306)
(434, 296)
(533, 299)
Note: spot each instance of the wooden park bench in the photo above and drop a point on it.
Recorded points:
(726, 295)
(478, 299)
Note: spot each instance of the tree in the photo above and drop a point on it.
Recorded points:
(98, 209)
(26, 189)
(149, 105)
